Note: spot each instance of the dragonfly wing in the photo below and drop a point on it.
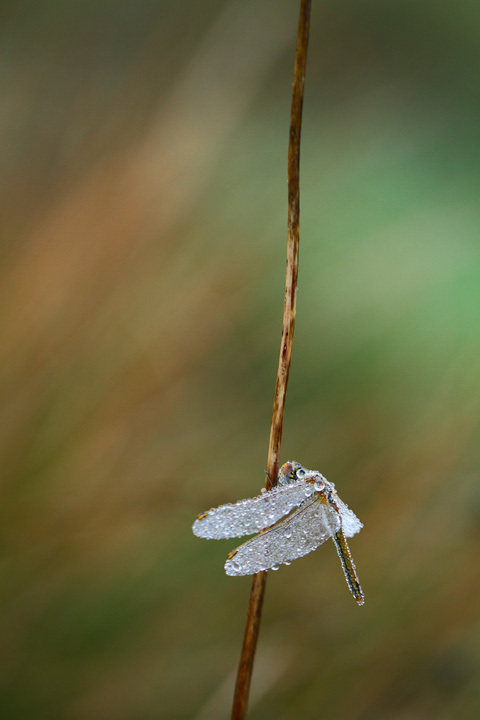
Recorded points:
(249, 516)
(351, 525)
(306, 529)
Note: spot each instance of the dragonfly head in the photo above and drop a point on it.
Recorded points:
(290, 472)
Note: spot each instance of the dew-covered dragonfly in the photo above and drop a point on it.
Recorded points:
(292, 519)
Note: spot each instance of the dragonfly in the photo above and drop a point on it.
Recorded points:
(291, 520)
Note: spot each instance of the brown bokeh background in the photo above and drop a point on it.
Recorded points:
(143, 231)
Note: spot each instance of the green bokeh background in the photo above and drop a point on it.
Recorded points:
(143, 233)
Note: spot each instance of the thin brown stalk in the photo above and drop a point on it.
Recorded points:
(245, 667)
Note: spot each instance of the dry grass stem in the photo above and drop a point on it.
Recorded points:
(244, 674)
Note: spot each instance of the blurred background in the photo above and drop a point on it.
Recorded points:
(142, 258)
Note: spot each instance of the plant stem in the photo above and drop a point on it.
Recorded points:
(245, 667)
